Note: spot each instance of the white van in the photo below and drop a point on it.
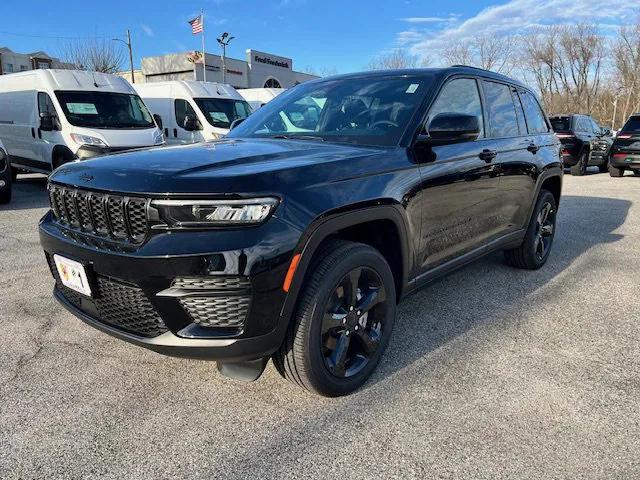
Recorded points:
(193, 111)
(257, 97)
(50, 117)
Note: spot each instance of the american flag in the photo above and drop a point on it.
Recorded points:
(196, 25)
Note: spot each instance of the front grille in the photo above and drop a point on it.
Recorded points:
(118, 304)
(110, 216)
(229, 312)
(200, 283)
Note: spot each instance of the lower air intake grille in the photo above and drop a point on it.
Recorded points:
(229, 312)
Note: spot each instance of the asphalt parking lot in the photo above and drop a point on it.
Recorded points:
(492, 373)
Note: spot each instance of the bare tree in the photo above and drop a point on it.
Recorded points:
(484, 51)
(96, 55)
(321, 72)
(396, 59)
(626, 55)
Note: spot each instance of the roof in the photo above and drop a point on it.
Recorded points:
(73, 80)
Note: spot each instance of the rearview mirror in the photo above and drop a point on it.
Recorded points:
(158, 120)
(236, 122)
(47, 122)
(191, 123)
(447, 128)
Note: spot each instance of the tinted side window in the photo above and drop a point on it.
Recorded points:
(536, 122)
(519, 112)
(45, 105)
(183, 108)
(459, 96)
(502, 113)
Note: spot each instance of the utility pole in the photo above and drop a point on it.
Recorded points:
(224, 40)
(128, 44)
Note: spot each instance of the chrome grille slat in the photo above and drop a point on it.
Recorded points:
(105, 215)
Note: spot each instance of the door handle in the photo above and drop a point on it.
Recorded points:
(488, 155)
(175, 133)
(533, 148)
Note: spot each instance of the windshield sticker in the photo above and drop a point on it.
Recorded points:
(413, 87)
(82, 108)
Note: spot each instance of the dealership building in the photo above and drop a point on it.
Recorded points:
(260, 69)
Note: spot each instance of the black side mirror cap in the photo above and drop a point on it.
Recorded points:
(236, 122)
(47, 122)
(158, 120)
(191, 123)
(448, 128)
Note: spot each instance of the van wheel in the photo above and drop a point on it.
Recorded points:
(536, 246)
(14, 173)
(5, 192)
(59, 159)
(580, 168)
(616, 172)
(343, 321)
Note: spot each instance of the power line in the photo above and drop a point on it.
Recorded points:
(91, 37)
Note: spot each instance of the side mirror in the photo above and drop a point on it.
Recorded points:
(158, 120)
(447, 128)
(236, 122)
(606, 132)
(47, 122)
(191, 123)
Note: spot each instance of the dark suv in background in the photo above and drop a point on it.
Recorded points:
(625, 152)
(296, 243)
(584, 142)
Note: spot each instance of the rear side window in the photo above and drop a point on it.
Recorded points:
(502, 112)
(536, 122)
(632, 125)
(183, 108)
(459, 96)
(561, 124)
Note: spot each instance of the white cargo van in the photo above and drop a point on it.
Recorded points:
(193, 111)
(50, 117)
(257, 97)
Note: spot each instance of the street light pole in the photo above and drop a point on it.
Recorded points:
(128, 44)
(224, 40)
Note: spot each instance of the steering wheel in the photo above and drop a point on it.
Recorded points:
(384, 122)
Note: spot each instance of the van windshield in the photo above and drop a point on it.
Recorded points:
(367, 110)
(220, 112)
(104, 109)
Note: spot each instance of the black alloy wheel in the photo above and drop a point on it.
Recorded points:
(545, 225)
(353, 322)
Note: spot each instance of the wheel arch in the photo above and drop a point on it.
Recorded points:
(62, 150)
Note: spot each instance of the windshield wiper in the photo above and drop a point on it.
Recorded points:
(299, 137)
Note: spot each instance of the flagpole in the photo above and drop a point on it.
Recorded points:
(204, 55)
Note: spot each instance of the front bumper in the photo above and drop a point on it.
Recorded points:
(136, 299)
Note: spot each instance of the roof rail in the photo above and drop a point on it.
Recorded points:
(469, 66)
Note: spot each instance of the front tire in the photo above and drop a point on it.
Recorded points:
(343, 321)
(604, 168)
(536, 246)
(5, 192)
(580, 168)
(616, 172)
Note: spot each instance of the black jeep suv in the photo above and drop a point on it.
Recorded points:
(296, 243)
(625, 152)
(584, 142)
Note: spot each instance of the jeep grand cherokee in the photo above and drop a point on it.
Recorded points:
(297, 242)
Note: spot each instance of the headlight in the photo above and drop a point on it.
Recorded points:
(158, 138)
(87, 140)
(211, 213)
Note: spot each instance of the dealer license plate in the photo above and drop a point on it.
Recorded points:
(73, 275)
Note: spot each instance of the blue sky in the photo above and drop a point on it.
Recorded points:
(325, 34)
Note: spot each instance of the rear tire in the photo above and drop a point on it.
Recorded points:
(536, 246)
(339, 332)
(616, 172)
(14, 173)
(604, 168)
(580, 168)
(5, 192)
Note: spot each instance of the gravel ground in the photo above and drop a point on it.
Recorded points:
(492, 373)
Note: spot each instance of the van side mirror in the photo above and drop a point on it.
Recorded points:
(236, 122)
(47, 122)
(191, 123)
(158, 120)
(448, 128)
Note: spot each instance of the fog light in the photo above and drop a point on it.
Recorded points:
(2, 183)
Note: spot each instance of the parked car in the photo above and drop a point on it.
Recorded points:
(193, 111)
(5, 176)
(298, 245)
(259, 97)
(625, 152)
(584, 142)
(50, 117)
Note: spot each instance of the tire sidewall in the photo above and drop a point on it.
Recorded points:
(314, 362)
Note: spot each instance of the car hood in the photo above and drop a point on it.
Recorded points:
(238, 166)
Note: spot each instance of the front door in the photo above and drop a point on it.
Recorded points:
(179, 135)
(458, 196)
(46, 140)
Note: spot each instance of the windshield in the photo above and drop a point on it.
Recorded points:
(220, 112)
(560, 124)
(104, 109)
(632, 125)
(369, 110)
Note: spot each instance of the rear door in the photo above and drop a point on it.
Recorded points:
(459, 194)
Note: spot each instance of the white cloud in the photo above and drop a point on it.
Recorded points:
(512, 17)
(426, 19)
(147, 30)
